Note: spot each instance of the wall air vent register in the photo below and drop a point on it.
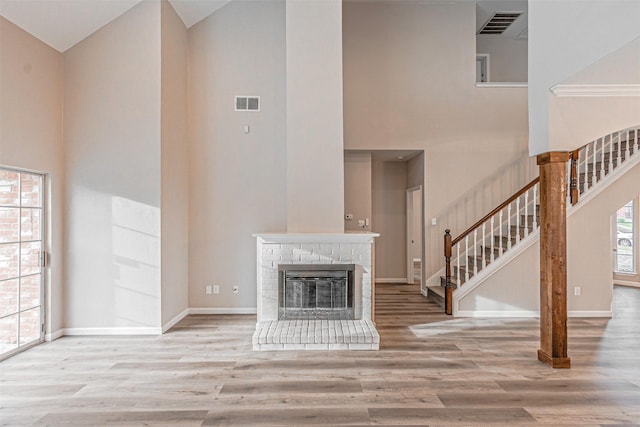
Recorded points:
(499, 22)
(247, 103)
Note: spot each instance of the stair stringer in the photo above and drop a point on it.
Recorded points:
(525, 244)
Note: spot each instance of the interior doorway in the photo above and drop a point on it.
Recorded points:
(415, 235)
(624, 240)
(22, 220)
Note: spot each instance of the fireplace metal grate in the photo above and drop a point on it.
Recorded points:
(316, 291)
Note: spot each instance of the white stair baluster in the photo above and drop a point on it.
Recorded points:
(526, 213)
(509, 226)
(466, 255)
(475, 255)
(585, 174)
(535, 206)
(500, 225)
(593, 166)
(518, 219)
(627, 149)
(483, 252)
(611, 153)
(458, 275)
(493, 247)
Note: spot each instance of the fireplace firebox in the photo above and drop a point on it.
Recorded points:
(316, 291)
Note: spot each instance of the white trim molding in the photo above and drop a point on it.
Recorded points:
(597, 90)
(626, 283)
(530, 314)
(111, 331)
(222, 310)
(402, 280)
(502, 84)
(171, 323)
(348, 237)
(54, 336)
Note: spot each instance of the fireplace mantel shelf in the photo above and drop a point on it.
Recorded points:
(348, 237)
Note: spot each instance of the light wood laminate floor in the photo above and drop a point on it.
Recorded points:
(431, 371)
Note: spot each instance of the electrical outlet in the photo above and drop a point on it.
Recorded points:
(207, 289)
(577, 291)
(236, 290)
(216, 289)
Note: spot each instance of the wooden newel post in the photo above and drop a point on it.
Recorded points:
(448, 287)
(553, 259)
(573, 184)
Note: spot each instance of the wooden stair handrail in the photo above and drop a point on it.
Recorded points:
(495, 211)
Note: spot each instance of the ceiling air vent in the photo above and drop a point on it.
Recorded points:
(499, 22)
(247, 103)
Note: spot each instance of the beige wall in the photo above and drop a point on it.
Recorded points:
(507, 58)
(174, 166)
(31, 138)
(112, 155)
(315, 164)
(357, 189)
(237, 181)
(405, 89)
(389, 183)
(564, 38)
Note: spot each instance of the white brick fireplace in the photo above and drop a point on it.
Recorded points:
(310, 248)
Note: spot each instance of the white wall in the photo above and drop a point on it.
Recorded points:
(405, 89)
(507, 58)
(564, 38)
(389, 183)
(31, 137)
(174, 166)
(357, 189)
(112, 150)
(315, 178)
(238, 182)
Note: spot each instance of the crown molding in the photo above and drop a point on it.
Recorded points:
(596, 90)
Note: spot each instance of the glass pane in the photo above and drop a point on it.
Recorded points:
(31, 190)
(9, 254)
(30, 258)
(31, 224)
(30, 291)
(9, 188)
(9, 225)
(8, 297)
(8, 333)
(29, 326)
(624, 239)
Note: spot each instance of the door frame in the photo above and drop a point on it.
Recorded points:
(410, 227)
(43, 259)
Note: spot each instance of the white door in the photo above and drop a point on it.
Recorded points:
(21, 260)
(414, 235)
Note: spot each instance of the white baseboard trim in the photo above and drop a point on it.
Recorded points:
(391, 280)
(54, 336)
(589, 313)
(530, 314)
(171, 323)
(111, 331)
(497, 313)
(626, 283)
(219, 310)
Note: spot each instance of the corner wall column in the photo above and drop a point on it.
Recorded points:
(553, 257)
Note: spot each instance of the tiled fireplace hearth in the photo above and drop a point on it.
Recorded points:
(317, 256)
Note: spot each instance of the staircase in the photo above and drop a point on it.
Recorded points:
(486, 244)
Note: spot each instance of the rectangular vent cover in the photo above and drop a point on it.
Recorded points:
(247, 103)
(499, 22)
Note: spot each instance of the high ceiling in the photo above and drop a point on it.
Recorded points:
(63, 23)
